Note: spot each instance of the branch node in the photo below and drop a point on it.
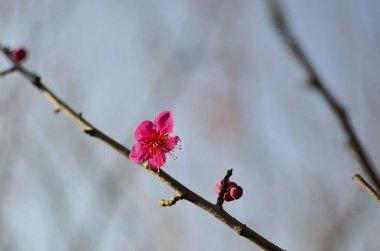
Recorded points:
(313, 82)
(36, 80)
(167, 203)
(89, 131)
(351, 145)
(223, 188)
(341, 112)
(240, 229)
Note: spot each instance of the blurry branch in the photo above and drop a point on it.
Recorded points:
(182, 192)
(367, 187)
(291, 42)
(5, 72)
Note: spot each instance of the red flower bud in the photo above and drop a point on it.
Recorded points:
(236, 192)
(233, 191)
(231, 184)
(227, 197)
(18, 55)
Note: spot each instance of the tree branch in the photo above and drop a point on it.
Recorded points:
(375, 194)
(223, 187)
(291, 42)
(5, 72)
(168, 203)
(181, 191)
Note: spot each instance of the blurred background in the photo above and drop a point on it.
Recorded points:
(239, 100)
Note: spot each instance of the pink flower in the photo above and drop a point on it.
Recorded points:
(153, 140)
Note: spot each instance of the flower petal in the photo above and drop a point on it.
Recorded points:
(157, 160)
(139, 153)
(170, 143)
(164, 122)
(144, 130)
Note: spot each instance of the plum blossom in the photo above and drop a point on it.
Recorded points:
(153, 140)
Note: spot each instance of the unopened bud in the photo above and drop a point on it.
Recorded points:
(18, 55)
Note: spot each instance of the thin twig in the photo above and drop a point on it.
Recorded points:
(282, 26)
(170, 202)
(375, 194)
(223, 188)
(5, 72)
(184, 192)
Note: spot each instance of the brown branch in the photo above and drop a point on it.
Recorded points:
(223, 188)
(170, 202)
(338, 110)
(375, 194)
(5, 72)
(181, 191)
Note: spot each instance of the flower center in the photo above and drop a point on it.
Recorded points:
(156, 142)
